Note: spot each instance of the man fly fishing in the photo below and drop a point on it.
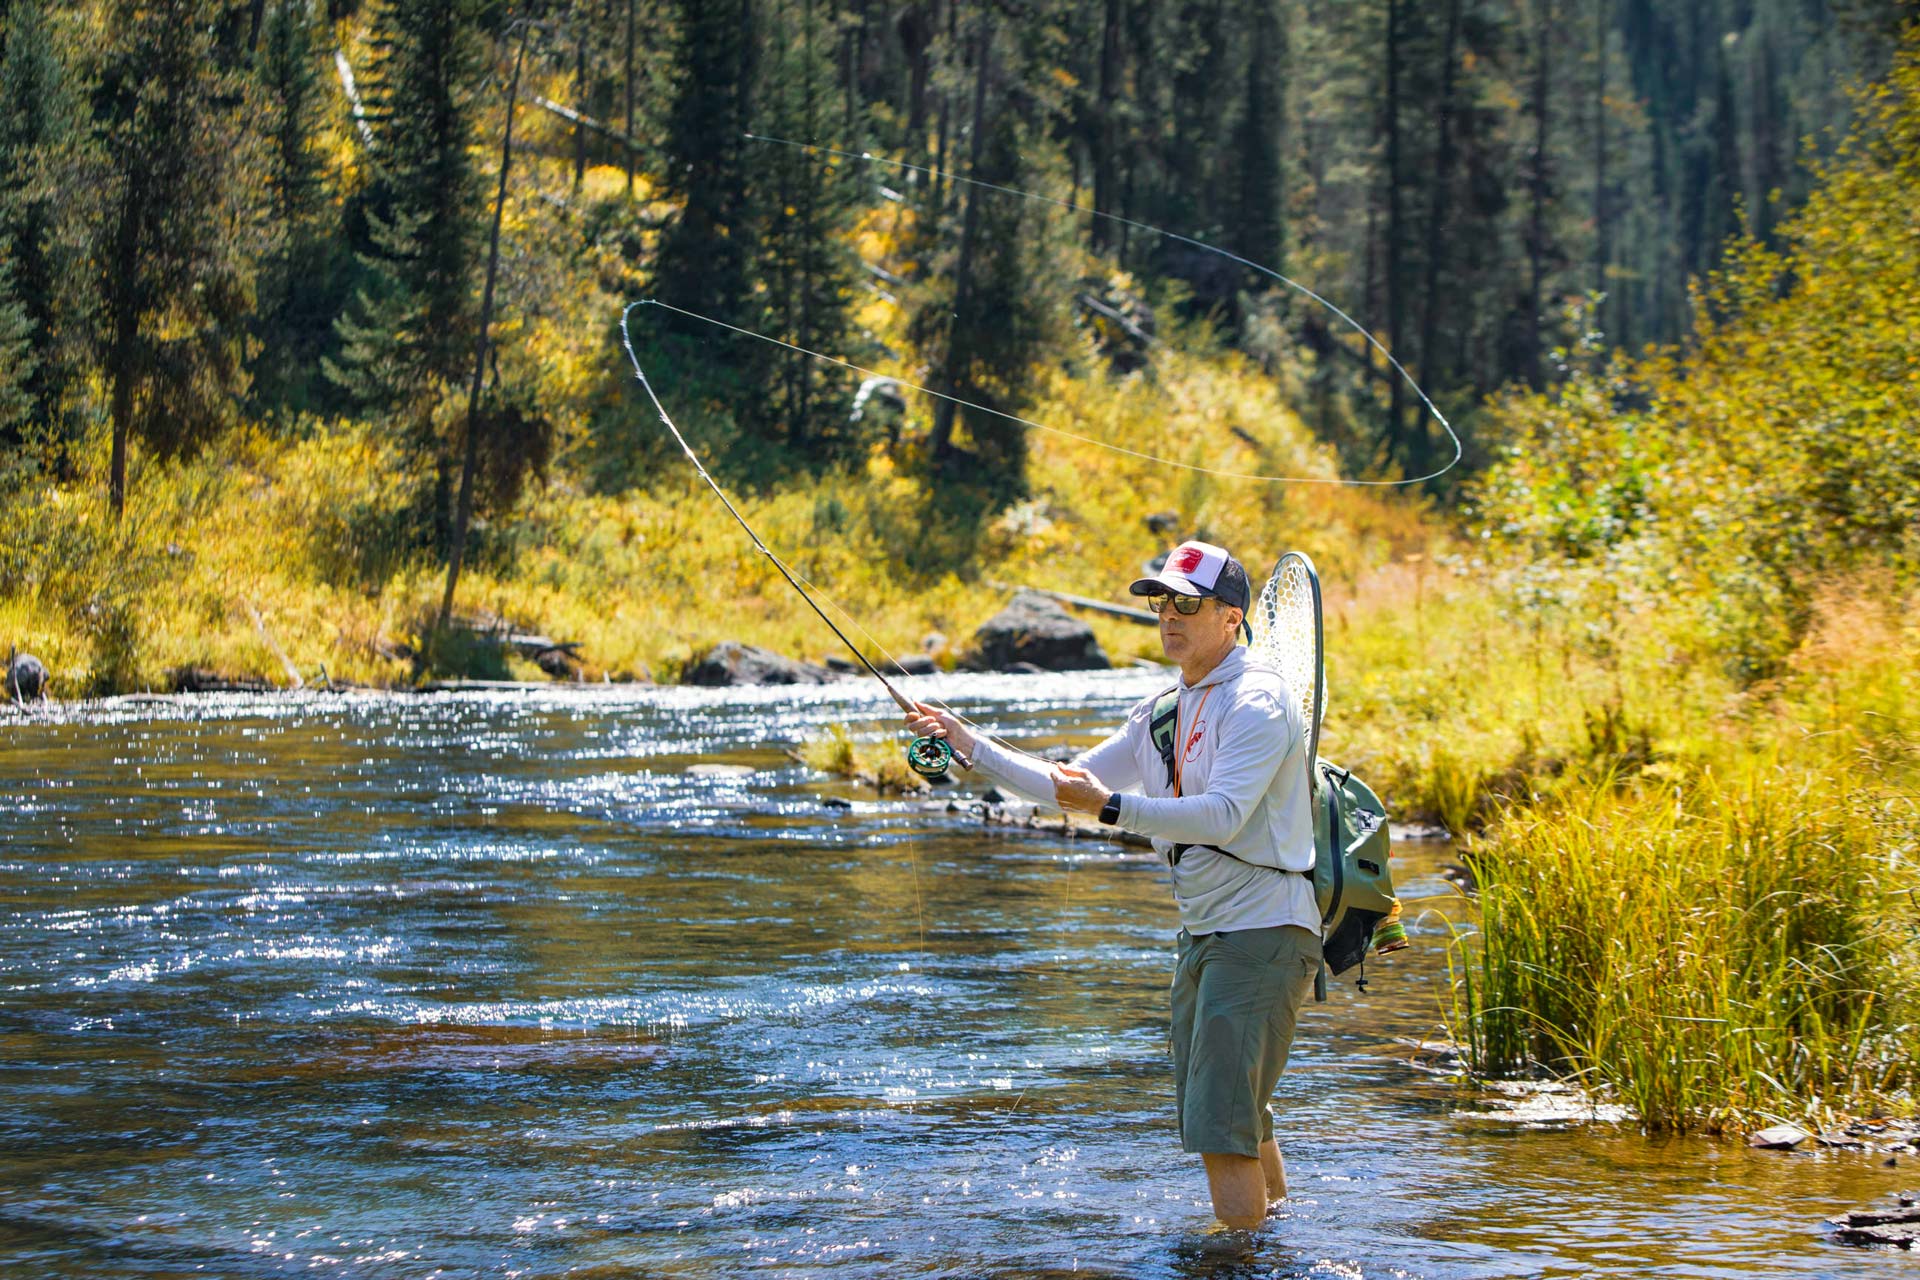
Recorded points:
(1229, 807)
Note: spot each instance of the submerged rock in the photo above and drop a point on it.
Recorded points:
(1035, 631)
(719, 771)
(733, 663)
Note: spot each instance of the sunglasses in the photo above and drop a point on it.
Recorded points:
(1181, 604)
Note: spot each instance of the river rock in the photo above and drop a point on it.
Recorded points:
(1781, 1137)
(26, 677)
(733, 663)
(1035, 630)
(1899, 1227)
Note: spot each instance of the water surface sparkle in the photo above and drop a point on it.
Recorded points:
(491, 985)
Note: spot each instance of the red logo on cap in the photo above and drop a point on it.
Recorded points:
(1187, 559)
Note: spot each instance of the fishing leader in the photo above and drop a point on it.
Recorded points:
(1228, 807)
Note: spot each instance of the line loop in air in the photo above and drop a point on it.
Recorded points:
(868, 157)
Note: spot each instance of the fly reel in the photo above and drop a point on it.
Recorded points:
(929, 757)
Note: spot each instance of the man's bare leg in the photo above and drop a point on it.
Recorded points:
(1239, 1187)
(1275, 1169)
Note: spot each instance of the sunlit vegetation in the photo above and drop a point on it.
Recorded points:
(1715, 919)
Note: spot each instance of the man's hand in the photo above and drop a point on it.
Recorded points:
(931, 722)
(1074, 788)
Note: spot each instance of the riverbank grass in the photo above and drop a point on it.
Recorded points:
(1730, 940)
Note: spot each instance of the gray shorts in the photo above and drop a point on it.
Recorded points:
(1236, 997)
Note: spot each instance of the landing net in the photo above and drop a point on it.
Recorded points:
(1288, 636)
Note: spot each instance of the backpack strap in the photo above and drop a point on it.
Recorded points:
(1163, 725)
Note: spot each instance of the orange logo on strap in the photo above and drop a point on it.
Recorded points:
(1193, 739)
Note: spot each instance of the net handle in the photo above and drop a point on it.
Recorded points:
(1314, 709)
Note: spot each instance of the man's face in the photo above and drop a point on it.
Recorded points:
(1183, 635)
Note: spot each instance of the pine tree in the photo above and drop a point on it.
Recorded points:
(705, 254)
(39, 136)
(994, 308)
(805, 201)
(293, 323)
(17, 368)
(171, 263)
(409, 337)
(1259, 216)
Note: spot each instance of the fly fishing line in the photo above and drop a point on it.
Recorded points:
(930, 756)
(926, 756)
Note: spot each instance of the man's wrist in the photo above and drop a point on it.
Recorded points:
(1110, 811)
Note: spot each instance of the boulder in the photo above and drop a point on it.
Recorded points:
(733, 663)
(26, 678)
(1035, 630)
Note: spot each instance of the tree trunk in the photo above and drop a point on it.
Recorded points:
(1396, 406)
(1107, 134)
(580, 96)
(854, 47)
(1258, 226)
(1437, 206)
(126, 331)
(942, 436)
(941, 187)
(1602, 232)
(1537, 218)
(801, 406)
(463, 511)
(629, 145)
(916, 39)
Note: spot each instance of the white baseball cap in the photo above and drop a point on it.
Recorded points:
(1199, 569)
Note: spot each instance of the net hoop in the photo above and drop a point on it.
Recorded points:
(1289, 635)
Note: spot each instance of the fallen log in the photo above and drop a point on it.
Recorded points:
(587, 122)
(507, 686)
(266, 638)
(202, 680)
(1141, 616)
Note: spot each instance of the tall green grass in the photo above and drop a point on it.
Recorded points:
(1713, 953)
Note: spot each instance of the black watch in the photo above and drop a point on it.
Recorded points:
(1110, 811)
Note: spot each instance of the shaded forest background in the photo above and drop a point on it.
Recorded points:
(246, 226)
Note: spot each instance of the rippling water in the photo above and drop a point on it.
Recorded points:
(496, 986)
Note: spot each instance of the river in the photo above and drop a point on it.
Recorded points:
(493, 985)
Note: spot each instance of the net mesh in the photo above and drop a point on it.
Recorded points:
(1283, 635)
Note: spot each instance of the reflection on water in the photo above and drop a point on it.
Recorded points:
(398, 987)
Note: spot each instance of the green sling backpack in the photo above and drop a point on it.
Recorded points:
(1352, 882)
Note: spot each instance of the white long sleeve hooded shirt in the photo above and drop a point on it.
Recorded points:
(1243, 788)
